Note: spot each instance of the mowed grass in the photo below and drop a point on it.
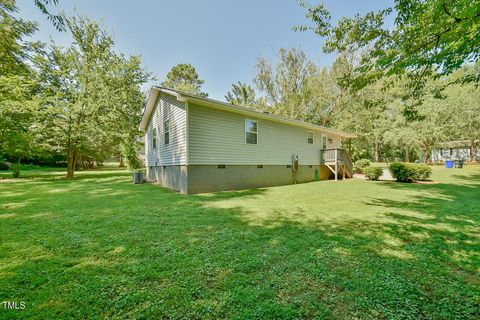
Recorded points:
(100, 247)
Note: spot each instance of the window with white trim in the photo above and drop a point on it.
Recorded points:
(310, 137)
(154, 138)
(251, 131)
(324, 142)
(166, 131)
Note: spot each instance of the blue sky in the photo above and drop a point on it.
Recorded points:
(222, 39)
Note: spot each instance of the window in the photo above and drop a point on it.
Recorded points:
(324, 142)
(260, 166)
(330, 140)
(154, 138)
(251, 131)
(221, 166)
(310, 137)
(166, 131)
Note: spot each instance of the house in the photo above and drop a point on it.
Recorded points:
(196, 145)
(454, 150)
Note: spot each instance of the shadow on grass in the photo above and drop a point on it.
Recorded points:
(229, 194)
(472, 177)
(446, 216)
(100, 247)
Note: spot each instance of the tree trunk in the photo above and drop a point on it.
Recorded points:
(377, 151)
(120, 160)
(473, 151)
(428, 154)
(72, 162)
(16, 169)
(407, 155)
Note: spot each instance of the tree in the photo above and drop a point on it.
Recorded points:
(431, 125)
(367, 113)
(326, 92)
(18, 86)
(58, 20)
(17, 109)
(463, 100)
(14, 49)
(429, 38)
(90, 95)
(184, 77)
(241, 94)
(285, 84)
(402, 135)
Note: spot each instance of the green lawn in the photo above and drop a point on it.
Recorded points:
(101, 247)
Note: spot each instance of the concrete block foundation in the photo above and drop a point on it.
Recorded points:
(211, 178)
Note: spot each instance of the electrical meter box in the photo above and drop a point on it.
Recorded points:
(295, 163)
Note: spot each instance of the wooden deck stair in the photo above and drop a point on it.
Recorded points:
(338, 161)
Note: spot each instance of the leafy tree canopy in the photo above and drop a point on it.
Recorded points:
(14, 49)
(58, 20)
(184, 77)
(241, 94)
(429, 38)
(284, 84)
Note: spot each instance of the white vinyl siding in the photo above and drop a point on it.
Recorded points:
(218, 137)
(173, 153)
(457, 153)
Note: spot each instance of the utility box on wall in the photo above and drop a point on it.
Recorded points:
(295, 163)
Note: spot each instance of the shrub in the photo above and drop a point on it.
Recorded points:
(129, 152)
(402, 172)
(423, 172)
(4, 165)
(360, 165)
(407, 172)
(373, 173)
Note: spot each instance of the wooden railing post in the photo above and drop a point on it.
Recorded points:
(336, 164)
